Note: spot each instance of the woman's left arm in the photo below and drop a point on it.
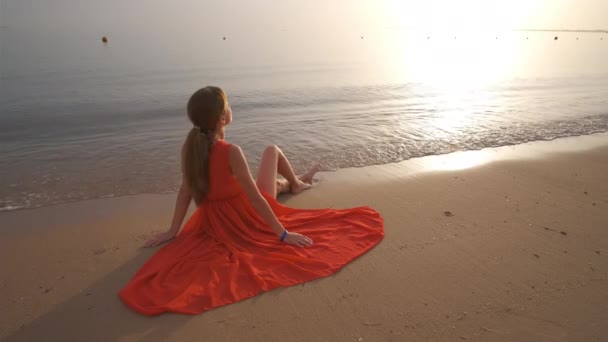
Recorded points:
(181, 207)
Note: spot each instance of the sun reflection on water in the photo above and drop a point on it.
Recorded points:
(459, 71)
(456, 161)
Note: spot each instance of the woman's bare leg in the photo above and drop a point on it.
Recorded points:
(284, 186)
(267, 172)
(273, 162)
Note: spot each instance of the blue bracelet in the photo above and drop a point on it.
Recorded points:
(284, 233)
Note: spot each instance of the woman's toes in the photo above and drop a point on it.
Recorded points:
(308, 176)
(299, 187)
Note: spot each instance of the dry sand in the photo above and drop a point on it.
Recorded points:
(511, 250)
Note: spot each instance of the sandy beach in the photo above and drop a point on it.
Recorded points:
(504, 244)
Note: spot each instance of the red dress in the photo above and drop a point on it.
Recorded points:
(226, 252)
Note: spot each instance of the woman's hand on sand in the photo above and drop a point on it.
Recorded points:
(298, 240)
(159, 239)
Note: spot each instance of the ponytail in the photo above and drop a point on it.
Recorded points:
(205, 109)
(196, 164)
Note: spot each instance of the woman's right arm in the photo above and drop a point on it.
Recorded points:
(240, 170)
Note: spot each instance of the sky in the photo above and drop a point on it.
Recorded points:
(200, 17)
(268, 32)
(499, 15)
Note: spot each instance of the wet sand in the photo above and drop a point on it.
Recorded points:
(506, 244)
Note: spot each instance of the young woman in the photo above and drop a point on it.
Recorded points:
(240, 241)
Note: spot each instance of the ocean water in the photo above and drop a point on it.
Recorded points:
(80, 119)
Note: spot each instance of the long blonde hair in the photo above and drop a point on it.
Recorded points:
(205, 109)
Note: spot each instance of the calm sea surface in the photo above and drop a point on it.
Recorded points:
(80, 119)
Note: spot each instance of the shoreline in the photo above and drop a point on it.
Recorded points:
(497, 244)
(428, 162)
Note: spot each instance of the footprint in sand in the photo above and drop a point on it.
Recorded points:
(99, 251)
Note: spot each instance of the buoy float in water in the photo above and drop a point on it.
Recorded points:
(104, 39)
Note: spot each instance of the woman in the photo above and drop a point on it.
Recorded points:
(240, 241)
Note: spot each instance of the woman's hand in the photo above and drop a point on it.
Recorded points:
(297, 240)
(159, 239)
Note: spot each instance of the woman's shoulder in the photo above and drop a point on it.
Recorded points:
(223, 144)
(232, 152)
(232, 148)
(228, 148)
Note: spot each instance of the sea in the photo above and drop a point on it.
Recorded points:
(81, 119)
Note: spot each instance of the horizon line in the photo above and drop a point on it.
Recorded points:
(561, 30)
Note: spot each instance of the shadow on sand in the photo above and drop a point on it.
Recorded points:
(97, 314)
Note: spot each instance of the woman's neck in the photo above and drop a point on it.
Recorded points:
(220, 135)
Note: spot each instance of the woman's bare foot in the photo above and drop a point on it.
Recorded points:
(284, 186)
(308, 176)
(299, 187)
(304, 181)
